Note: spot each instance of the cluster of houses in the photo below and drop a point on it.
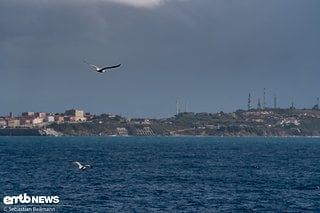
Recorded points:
(41, 119)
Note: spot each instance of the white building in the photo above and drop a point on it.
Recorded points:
(50, 118)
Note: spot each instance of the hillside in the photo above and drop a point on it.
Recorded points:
(268, 122)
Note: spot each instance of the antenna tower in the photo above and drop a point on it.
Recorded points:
(177, 107)
(264, 98)
(249, 102)
(259, 104)
(187, 107)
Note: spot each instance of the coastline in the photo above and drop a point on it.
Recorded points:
(20, 132)
(28, 132)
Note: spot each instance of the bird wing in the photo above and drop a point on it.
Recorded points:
(110, 67)
(92, 65)
(78, 163)
(95, 66)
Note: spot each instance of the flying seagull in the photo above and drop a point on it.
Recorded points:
(102, 69)
(82, 167)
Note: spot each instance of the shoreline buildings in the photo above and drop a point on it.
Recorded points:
(41, 119)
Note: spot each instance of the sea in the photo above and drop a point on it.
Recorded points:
(160, 174)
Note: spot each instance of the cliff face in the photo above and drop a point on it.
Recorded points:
(269, 122)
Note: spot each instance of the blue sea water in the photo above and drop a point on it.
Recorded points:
(164, 174)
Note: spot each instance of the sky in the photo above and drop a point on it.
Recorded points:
(206, 54)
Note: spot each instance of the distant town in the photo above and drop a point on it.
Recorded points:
(250, 122)
(42, 119)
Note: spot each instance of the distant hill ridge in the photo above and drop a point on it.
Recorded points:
(266, 122)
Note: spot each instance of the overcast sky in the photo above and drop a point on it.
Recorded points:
(207, 53)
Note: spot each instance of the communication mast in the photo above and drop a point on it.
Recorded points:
(259, 104)
(177, 107)
(292, 105)
(187, 107)
(249, 102)
(264, 98)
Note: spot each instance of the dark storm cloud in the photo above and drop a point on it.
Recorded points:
(209, 53)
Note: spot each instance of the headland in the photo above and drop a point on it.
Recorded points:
(255, 122)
